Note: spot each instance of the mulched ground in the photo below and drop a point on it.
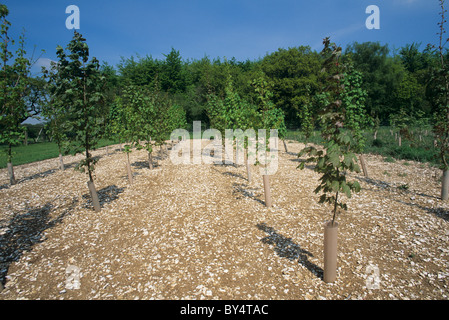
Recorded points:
(204, 232)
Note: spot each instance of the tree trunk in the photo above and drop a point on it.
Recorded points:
(107, 151)
(266, 187)
(375, 135)
(12, 178)
(94, 196)
(399, 140)
(363, 163)
(61, 162)
(445, 186)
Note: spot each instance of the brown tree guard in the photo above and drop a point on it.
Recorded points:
(445, 186)
(94, 196)
(150, 160)
(61, 162)
(266, 187)
(363, 163)
(12, 178)
(285, 146)
(330, 251)
(128, 168)
(237, 163)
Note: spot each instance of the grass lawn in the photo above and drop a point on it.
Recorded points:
(35, 152)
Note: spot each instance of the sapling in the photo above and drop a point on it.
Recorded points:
(337, 158)
(13, 85)
(128, 121)
(440, 78)
(356, 118)
(81, 83)
(271, 118)
(54, 111)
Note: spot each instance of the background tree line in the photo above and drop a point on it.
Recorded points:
(394, 80)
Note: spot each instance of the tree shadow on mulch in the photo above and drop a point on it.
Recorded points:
(46, 173)
(242, 190)
(24, 230)
(143, 165)
(105, 195)
(32, 177)
(235, 175)
(389, 187)
(286, 248)
(439, 212)
(308, 166)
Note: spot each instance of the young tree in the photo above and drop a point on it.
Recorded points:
(338, 156)
(402, 121)
(53, 110)
(441, 101)
(356, 117)
(130, 121)
(270, 118)
(13, 86)
(161, 124)
(81, 83)
(307, 113)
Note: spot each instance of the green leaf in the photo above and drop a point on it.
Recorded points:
(346, 189)
(335, 185)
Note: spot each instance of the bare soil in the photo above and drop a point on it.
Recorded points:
(204, 232)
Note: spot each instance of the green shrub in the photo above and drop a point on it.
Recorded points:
(377, 143)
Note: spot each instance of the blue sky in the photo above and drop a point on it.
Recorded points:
(244, 29)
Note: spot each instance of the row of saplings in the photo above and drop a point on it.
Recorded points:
(333, 161)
